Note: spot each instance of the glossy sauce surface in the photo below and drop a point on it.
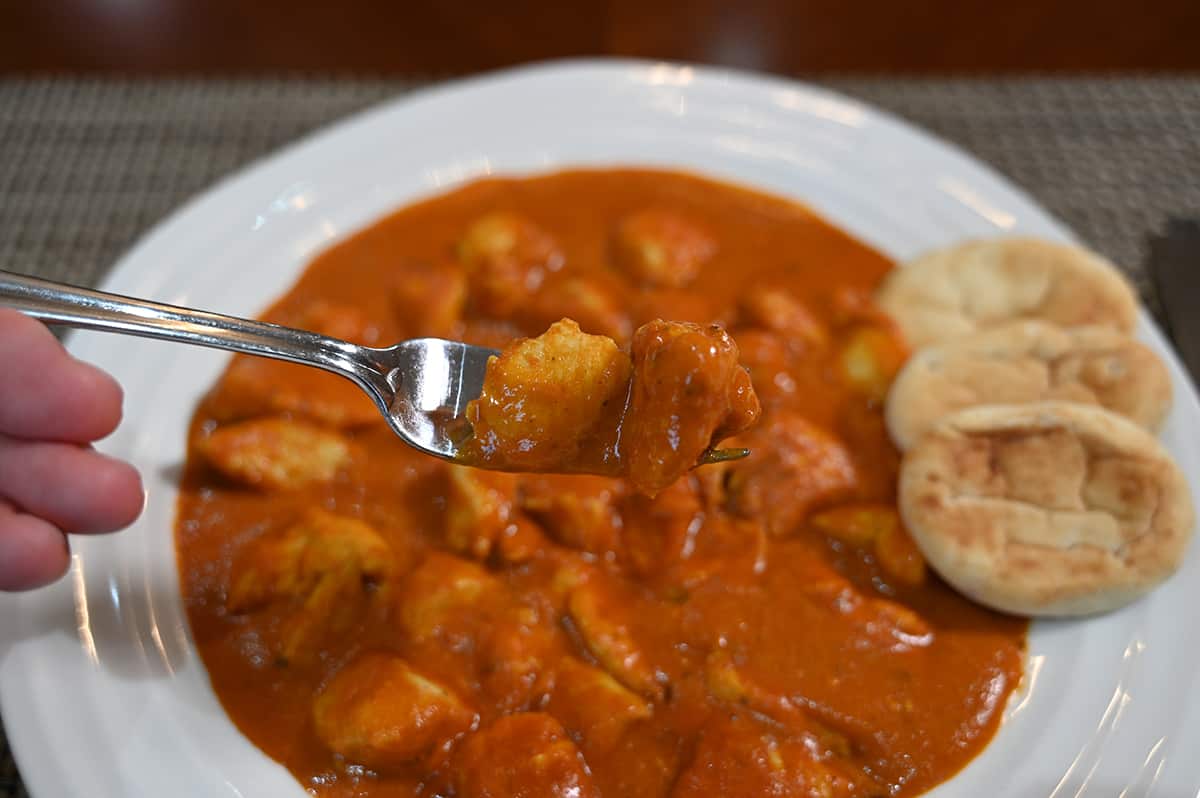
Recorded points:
(763, 627)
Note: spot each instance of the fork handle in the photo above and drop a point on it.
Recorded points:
(58, 303)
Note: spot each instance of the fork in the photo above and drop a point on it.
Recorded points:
(421, 386)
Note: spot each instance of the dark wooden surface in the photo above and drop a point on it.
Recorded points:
(787, 36)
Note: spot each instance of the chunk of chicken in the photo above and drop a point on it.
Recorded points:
(770, 362)
(521, 541)
(479, 508)
(662, 248)
(606, 632)
(870, 358)
(802, 467)
(443, 595)
(453, 608)
(661, 529)
(543, 397)
(324, 568)
(877, 528)
(275, 453)
(579, 511)
(379, 712)
(594, 705)
(528, 755)
(506, 257)
(880, 622)
(336, 320)
(257, 386)
(429, 300)
(679, 539)
(738, 755)
(290, 565)
(594, 304)
(777, 310)
(516, 653)
(679, 304)
(727, 680)
(899, 557)
(688, 392)
(899, 627)
(857, 524)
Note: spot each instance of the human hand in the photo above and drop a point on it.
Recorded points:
(52, 407)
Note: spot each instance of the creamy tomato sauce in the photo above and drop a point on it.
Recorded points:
(759, 627)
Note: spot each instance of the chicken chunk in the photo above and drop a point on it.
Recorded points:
(870, 358)
(336, 320)
(771, 362)
(601, 622)
(506, 257)
(516, 653)
(257, 386)
(456, 611)
(876, 528)
(739, 755)
(727, 680)
(678, 539)
(323, 569)
(291, 565)
(899, 557)
(679, 304)
(896, 626)
(662, 248)
(857, 524)
(479, 509)
(543, 397)
(803, 467)
(579, 511)
(593, 303)
(688, 392)
(879, 622)
(379, 712)
(521, 541)
(777, 310)
(429, 300)
(528, 755)
(594, 705)
(275, 453)
(442, 597)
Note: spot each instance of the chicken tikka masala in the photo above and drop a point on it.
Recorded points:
(388, 624)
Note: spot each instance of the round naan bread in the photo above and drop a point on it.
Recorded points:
(952, 292)
(1028, 361)
(1050, 508)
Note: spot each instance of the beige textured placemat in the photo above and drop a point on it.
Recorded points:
(87, 166)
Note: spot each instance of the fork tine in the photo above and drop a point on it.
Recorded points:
(722, 456)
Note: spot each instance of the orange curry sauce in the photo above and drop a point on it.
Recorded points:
(758, 628)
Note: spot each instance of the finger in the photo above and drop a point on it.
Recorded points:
(73, 487)
(32, 552)
(47, 394)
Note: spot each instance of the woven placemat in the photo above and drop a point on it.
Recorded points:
(87, 166)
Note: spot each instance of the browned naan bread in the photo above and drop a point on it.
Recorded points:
(964, 288)
(1028, 361)
(1050, 508)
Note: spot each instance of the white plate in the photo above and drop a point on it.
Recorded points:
(103, 693)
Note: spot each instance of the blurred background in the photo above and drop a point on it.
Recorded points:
(393, 37)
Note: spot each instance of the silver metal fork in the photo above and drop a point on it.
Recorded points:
(421, 386)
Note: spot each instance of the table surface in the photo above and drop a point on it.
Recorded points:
(87, 166)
